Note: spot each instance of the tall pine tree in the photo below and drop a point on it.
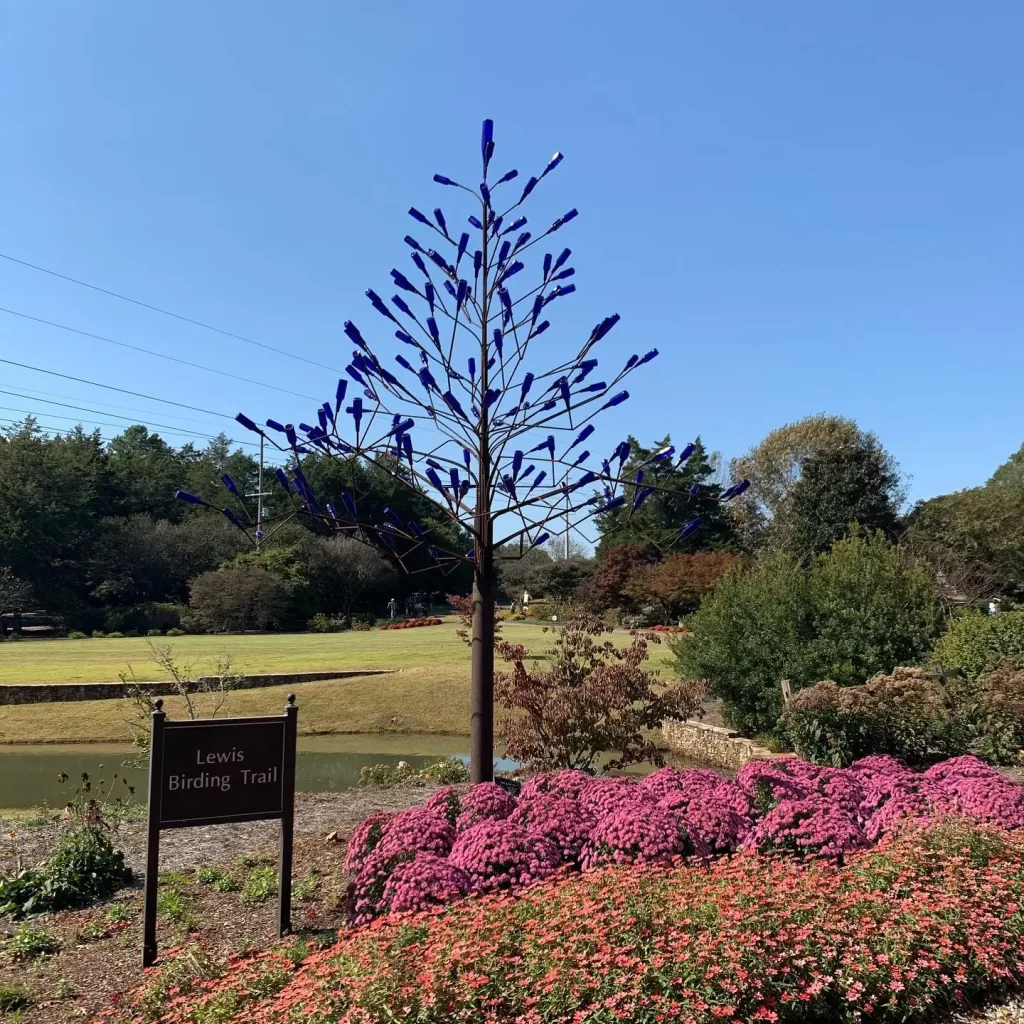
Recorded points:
(684, 493)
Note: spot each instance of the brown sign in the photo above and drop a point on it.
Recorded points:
(218, 771)
(210, 771)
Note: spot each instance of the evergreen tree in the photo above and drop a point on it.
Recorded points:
(854, 483)
(686, 492)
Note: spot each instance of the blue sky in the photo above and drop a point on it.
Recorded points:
(806, 207)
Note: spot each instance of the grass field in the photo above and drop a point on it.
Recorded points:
(426, 692)
(102, 661)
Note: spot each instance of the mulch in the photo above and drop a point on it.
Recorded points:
(101, 960)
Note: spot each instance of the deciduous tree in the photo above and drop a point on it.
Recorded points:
(677, 583)
(238, 598)
(590, 698)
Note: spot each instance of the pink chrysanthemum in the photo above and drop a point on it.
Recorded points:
(806, 827)
(426, 881)
(632, 835)
(566, 782)
(368, 833)
(485, 801)
(500, 855)
(563, 821)
(603, 796)
(445, 801)
(417, 830)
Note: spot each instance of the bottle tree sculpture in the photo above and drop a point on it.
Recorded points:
(462, 416)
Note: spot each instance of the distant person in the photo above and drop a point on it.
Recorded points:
(392, 608)
(512, 607)
(526, 600)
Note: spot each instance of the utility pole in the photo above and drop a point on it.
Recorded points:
(566, 555)
(259, 495)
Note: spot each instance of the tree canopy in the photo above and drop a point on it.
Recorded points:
(809, 480)
(684, 493)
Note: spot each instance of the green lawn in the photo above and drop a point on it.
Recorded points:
(102, 661)
(428, 691)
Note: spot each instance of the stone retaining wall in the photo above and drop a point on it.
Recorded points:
(711, 744)
(51, 693)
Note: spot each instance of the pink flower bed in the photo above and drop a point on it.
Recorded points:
(564, 821)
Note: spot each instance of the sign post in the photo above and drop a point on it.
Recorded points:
(210, 771)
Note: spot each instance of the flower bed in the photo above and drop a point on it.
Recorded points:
(568, 821)
(928, 921)
(411, 624)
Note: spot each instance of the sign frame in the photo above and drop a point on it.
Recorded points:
(161, 729)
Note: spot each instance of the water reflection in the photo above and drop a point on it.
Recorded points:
(29, 775)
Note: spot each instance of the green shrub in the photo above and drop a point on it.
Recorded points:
(385, 776)
(749, 633)
(174, 906)
(226, 883)
(14, 998)
(92, 931)
(77, 634)
(990, 712)
(83, 867)
(98, 634)
(449, 771)
(260, 885)
(65, 989)
(305, 890)
(116, 635)
(327, 624)
(175, 631)
(219, 879)
(904, 714)
(118, 913)
(863, 608)
(30, 943)
(154, 632)
(975, 644)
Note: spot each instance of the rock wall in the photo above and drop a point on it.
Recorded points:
(711, 744)
(51, 693)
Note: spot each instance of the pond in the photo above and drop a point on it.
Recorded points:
(29, 775)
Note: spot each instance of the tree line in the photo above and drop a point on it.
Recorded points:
(91, 532)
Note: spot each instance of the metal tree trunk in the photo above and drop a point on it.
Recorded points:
(481, 726)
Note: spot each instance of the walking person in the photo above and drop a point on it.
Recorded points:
(392, 608)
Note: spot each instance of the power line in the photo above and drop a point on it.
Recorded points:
(37, 395)
(51, 428)
(150, 352)
(99, 412)
(166, 312)
(123, 391)
(79, 422)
